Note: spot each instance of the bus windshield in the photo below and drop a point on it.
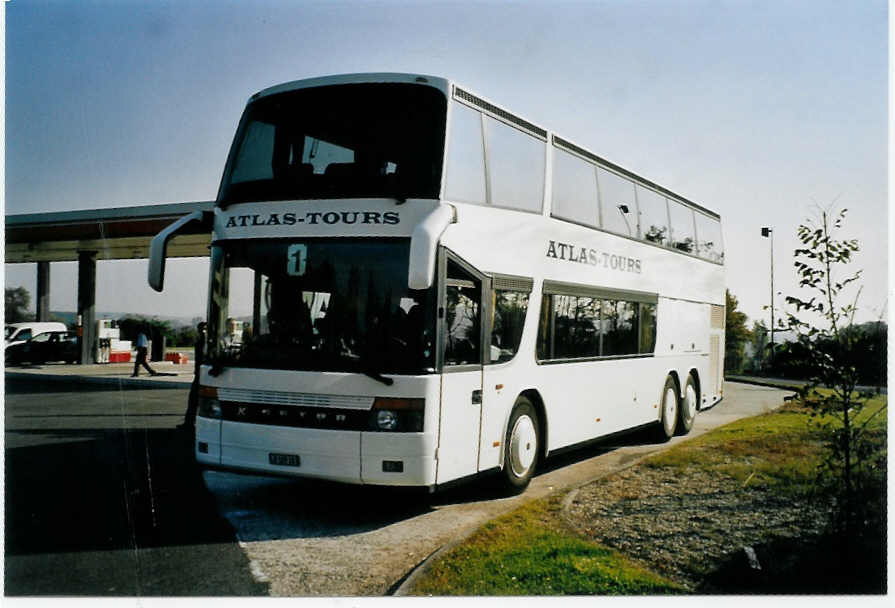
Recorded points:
(352, 140)
(339, 305)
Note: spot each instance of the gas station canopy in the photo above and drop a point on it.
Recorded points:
(115, 233)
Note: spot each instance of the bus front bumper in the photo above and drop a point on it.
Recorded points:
(397, 459)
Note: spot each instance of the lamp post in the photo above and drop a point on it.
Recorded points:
(769, 233)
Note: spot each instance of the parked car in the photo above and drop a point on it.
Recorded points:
(48, 346)
(21, 332)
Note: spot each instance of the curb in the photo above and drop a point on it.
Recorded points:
(759, 382)
(409, 580)
(123, 383)
(406, 583)
(792, 387)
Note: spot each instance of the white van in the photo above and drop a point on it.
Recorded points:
(21, 332)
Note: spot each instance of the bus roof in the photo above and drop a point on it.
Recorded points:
(448, 87)
(365, 78)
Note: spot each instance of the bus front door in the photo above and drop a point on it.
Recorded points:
(460, 312)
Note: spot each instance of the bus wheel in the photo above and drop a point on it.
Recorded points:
(669, 408)
(521, 445)
(687, 409)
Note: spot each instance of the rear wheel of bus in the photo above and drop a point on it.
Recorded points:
(669, 410)
(521, 446)
(688, 406)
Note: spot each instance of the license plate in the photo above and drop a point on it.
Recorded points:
(284, 460)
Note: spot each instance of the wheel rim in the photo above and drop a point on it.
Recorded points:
(670, 405)
(523, 446)
(689, 403)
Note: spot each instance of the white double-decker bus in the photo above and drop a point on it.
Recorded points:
(410, 285)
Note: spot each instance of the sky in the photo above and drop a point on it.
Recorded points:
(764, 111)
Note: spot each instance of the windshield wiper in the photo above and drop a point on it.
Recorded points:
(396, 189)
(216, 367)
(368, 370)
(378, 377)
(217, 361)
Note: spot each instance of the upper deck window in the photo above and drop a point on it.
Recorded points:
(619, 212)
(515, 166)
(683, 236)
(628, 206)
(708, 231)
(574, 189)
(465, 179)
(353, 140)
(653, 214)
(492, 162)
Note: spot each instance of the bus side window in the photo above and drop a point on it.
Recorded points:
(508, 310)
(621, 334)
(462, 345)
(647, 328)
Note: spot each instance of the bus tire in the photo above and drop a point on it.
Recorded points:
(668, 408)
(688, 407)
(521, 446)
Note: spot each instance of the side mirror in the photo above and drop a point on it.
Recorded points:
(158, 248)
(424, 246)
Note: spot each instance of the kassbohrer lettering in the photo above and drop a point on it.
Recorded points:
(314, 217)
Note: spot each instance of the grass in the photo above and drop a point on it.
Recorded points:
(530, 551)
(527, 552)
(781, 449)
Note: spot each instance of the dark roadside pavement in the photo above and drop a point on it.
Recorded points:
(100, 502)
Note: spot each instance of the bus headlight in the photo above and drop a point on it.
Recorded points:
(209, 406)
(397, 415)
(387, 420)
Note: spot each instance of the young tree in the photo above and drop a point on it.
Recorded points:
(760, 342)
(833, 360)
(736, 334)
(18, 302)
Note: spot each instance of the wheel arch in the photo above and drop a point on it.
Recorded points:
(673, 373)
(695, 374)
(540, 409)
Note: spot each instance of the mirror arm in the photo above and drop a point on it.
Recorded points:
(158, 247)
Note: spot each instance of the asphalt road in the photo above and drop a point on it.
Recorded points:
(102, 499)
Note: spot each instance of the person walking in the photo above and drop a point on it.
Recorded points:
(142, 344)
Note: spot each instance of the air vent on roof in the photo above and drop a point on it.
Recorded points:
(499, 113)
(580, 151)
